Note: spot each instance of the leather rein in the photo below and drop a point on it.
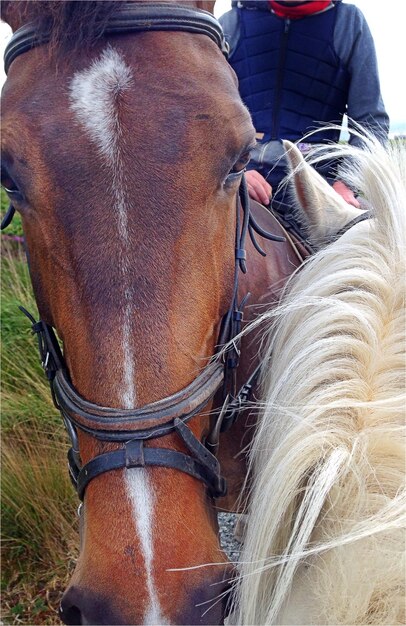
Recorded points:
(132, 427)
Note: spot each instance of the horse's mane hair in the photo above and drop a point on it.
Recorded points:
(328, 501)
(71, 23)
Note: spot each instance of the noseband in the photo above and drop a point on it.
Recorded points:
(132, 427)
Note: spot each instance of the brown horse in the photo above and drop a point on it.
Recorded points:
(124, 153)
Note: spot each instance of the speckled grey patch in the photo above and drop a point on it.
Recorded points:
(230, 545)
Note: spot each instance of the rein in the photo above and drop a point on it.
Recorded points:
(290, 225)
(132, 427)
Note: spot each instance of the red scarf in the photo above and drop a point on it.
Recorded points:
(307, 8)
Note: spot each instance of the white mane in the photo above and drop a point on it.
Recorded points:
(324, 540)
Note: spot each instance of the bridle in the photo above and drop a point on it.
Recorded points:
(131, 18)
(132, 427)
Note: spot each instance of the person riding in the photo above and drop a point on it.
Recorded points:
(302, 65)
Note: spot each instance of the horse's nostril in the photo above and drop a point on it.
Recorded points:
(80, 605)
(70, 615)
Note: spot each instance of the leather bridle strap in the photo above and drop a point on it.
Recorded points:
(135, 454)
(133, 426)
(366, 215)
(289, 222)
(131, 18)
(152, 420)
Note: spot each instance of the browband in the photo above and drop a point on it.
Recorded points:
(130, 18)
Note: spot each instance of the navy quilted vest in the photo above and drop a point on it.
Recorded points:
(290, 76)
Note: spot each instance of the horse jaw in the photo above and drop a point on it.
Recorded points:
(321, 210)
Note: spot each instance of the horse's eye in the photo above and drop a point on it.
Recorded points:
(241, 164)
(9, 186)
(238, 168)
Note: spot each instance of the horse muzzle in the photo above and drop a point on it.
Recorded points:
(207, 605)
(82, 606)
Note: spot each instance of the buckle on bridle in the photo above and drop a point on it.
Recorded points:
(134, 453)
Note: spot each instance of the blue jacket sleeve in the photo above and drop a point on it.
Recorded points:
(354, 44)
(230, 25)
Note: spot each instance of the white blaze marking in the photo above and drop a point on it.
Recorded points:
(141, 496)
(94, 96)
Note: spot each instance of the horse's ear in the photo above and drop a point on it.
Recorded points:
(321, 210)
(206, 5)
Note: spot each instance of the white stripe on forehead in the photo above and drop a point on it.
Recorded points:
(95, 99)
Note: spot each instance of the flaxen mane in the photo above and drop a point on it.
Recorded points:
(325, 538)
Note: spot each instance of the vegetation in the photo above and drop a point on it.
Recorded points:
(15, 228)
(39, 528)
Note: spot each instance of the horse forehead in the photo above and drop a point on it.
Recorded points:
(185, 81)
(95, 95)
(177, 60)
(100, 84)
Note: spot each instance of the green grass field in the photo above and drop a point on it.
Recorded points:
(39, 526)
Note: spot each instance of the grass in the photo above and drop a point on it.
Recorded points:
(15, 228)
(25, 392)
(39, 528)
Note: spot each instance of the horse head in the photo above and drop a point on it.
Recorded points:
(123, 149)
(123, 153)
